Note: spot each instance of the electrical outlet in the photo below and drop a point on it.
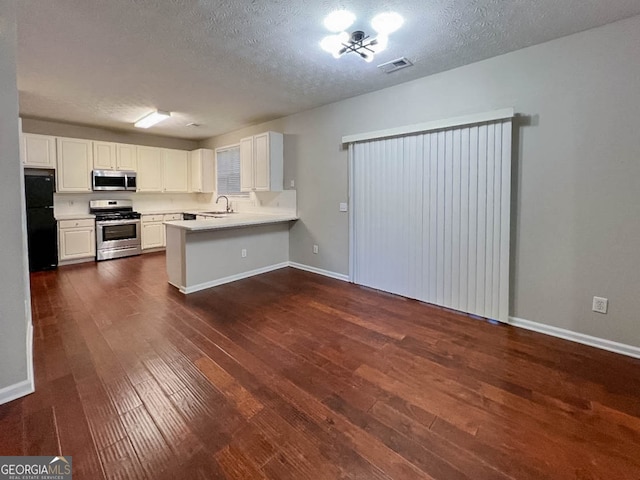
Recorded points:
(243, 253)
(315, 249)
(600, 304)
(293, 183)
(343, 207)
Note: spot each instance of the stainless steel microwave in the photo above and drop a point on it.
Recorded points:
(113, 180)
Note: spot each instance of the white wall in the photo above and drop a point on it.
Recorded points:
(14, 296)
(576, 173)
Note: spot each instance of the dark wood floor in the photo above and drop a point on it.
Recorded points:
(290, 375)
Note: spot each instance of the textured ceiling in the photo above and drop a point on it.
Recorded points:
(228, 64)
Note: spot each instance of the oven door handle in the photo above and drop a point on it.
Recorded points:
(106, 223)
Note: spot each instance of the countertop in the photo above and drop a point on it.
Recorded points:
(165, 211)
(75, 216)
(232, 220)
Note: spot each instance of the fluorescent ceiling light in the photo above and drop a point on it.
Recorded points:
(339, 20)
(386, 23)
(151, 119)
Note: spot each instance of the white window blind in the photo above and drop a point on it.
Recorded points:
(228, 171)
(430, 216)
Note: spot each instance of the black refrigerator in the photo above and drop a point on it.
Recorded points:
(42, 234)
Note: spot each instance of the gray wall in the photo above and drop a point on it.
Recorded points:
(60, 129)
(576, 179)
(13, 296)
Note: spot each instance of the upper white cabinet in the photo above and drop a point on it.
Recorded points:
(126, 158)
(104, 156)
(202, 171)
(150, 169)
(39, 151)
(114, 156)
(261, 162)
(176, 170)
(75, 162)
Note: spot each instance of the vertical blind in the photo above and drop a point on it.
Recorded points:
(431, 215)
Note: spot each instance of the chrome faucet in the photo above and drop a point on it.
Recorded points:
(225, 197)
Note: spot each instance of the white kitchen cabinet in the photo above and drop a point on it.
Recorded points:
(246, 164)
(114, 156)
(261, 162)
(202, 171)
(39, 151)
(152, 233)
(104, 156)
(75, 162)
(126, 157)
(176, 170)
(150, 169)
(76, 239)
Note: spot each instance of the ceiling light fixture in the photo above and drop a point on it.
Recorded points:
(151, 119)
(358, 42)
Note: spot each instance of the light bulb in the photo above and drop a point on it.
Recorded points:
(339, 20)
(386, 23)
(331, 43)
(367, 57)
(381, 43)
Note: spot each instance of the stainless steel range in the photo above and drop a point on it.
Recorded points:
(117, 229)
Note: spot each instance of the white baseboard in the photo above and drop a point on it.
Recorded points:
(15, 391)
(319, 271)
(232, 278)
(577, 337)
(64, 263)
(20, 389)
(30, 375)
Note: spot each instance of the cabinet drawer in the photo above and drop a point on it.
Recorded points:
(172, 216)
(152, 218)
(87, 222)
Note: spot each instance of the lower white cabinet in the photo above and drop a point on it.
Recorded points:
(153, 229)
(76, 239)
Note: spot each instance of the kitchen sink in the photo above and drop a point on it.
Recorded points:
(222, 212)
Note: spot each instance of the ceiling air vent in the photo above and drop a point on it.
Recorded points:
(394, 65)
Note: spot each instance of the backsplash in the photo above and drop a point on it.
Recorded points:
(262, 202)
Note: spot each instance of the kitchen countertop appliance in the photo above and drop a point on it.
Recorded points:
(117, 229)
(113, 180)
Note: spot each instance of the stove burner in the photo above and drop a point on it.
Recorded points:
(104, 216)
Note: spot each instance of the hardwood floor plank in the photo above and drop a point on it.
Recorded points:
(41, 433)
(121, 462)
(246, 404)
(155, 455)
(13, 429)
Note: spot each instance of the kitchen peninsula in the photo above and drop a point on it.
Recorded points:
(224, 248)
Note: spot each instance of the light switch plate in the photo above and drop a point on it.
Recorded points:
(343, 207)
